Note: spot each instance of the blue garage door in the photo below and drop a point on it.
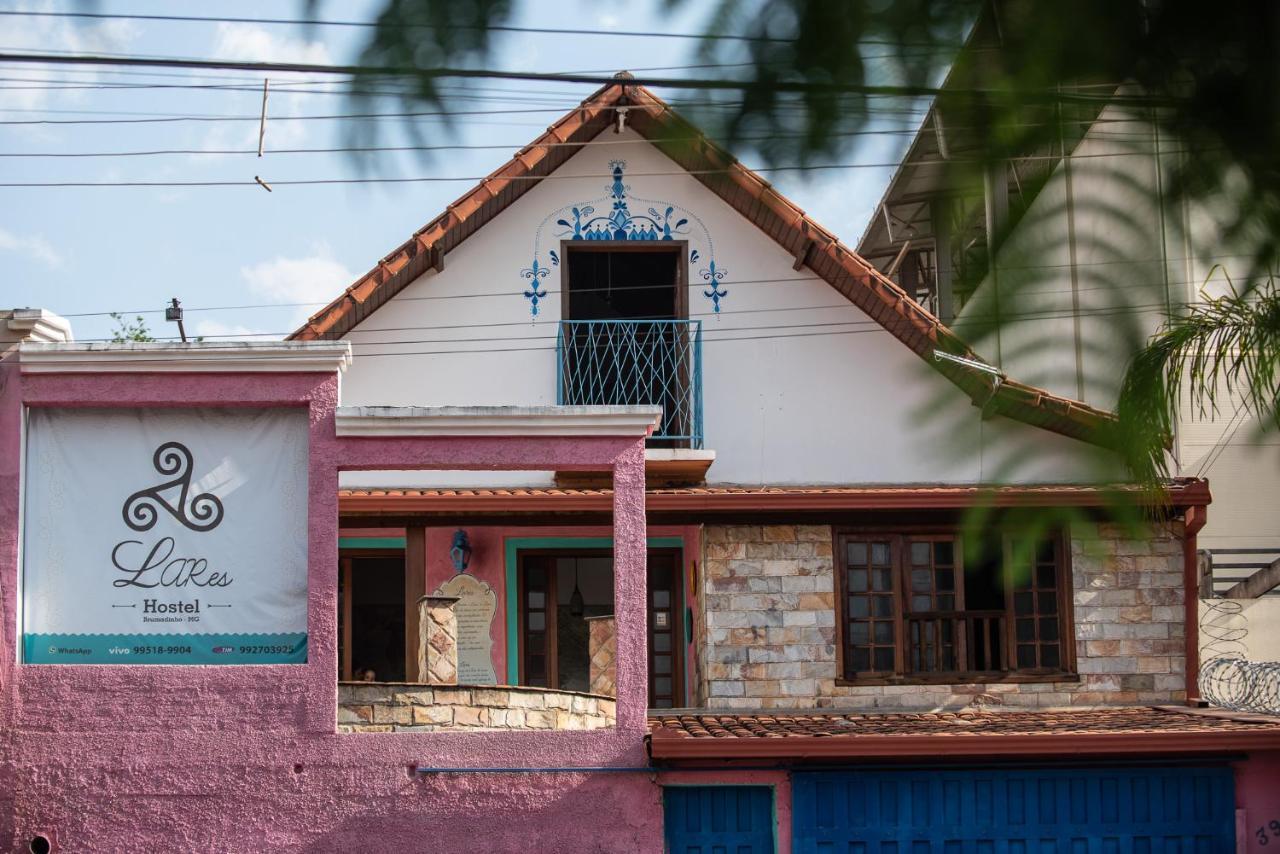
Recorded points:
(719, 819)
(1060, 811)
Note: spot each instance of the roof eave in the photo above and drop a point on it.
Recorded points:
(801, 748)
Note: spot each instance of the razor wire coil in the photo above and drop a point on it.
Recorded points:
(1228, 679)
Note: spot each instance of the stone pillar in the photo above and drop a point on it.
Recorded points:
(604, 655)
(437, 640)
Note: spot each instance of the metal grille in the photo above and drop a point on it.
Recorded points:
(636, 362)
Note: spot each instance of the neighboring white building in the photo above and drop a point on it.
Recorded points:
(1100, 256)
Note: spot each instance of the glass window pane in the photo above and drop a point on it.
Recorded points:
(1048, 628)
(661, 599)
(1049, 655)
(884, 658)
(1026, 655)
(662, 664)
(537, 643)
(1026, 630)
(880, 554)
(860, 658)
(858, 580)
(662, 685)
(537, 621)
(1046, 577)
(1044, 551)
(882, 606)
(859, 606)
(859, 632)
(883, 631)
(882, 579)
(1022, 603)
(534, 668)
(921, 603)
(920, 554)
(946, 602)
(537, 599)
(535, 575)
(943, 552)
(945, 579)
(661, 642)
(857, 554)
(921, 580)
(1048, 603)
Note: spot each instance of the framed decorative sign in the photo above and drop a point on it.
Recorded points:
(165, 536)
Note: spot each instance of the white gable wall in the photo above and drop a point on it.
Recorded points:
(812, 391)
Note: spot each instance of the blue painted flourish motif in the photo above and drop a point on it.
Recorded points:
(535, 275)
(658, 222)
(713, 277)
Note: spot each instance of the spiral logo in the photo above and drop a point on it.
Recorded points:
(202, 512)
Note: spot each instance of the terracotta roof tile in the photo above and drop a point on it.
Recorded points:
(943, 724)
(696, 734)
(1183, 492)
(750, 195)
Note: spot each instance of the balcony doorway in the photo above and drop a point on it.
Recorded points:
(554, 629)
(625, 339)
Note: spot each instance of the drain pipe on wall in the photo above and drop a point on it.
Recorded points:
(1193, 521)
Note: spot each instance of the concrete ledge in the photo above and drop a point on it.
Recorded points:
(169, 358)
(497, 420)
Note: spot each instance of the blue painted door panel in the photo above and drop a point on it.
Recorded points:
(1053, 811)
(718, 819)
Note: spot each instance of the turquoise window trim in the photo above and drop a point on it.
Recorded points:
(371, 542)
(511, 553)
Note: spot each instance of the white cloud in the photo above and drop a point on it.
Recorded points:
(315, 280)
(210, 329)
(250, 43)
(53, 34)
(31, 245)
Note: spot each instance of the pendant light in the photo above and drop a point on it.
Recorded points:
(577, 605)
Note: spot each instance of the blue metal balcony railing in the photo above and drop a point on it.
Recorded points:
(636, 362)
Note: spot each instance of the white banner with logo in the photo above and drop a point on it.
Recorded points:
(165, 536)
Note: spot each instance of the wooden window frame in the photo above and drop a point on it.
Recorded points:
(678, 605)
(897, 535)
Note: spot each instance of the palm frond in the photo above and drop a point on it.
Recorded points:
(1225, 349)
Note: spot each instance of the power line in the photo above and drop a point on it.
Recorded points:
(1053, 95)
(441, 179)
(322, 22)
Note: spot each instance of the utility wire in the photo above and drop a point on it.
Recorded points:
(790, 86)
(441, 179)
(322, 22)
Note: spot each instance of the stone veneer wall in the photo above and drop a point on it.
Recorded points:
(769, 597)
(407, 707)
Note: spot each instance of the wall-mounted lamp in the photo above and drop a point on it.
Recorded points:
(460, 551)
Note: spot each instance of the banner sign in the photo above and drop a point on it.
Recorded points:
(165, 536)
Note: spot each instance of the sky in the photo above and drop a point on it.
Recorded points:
(83, 252)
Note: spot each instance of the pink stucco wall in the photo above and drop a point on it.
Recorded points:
(178, 758)
(1258, 803)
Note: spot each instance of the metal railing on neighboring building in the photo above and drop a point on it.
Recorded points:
(636, 362)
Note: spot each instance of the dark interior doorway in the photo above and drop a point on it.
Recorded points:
(624, 281)
(371, 618)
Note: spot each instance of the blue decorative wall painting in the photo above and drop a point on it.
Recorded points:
(659, 221)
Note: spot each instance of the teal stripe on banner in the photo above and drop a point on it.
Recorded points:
(266, 648)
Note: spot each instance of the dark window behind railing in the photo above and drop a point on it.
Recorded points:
(636, 362)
